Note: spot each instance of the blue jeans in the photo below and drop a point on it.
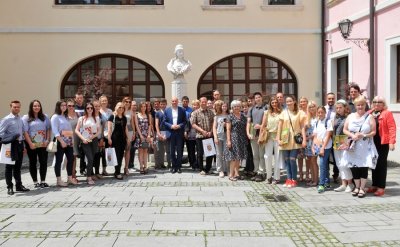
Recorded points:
(290, 158)
(324, 167)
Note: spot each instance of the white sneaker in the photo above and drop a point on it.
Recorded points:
(221, 174)
(341, 188)
(349, 189)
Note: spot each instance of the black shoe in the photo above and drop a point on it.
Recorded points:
(179, 171)
(37, 186)
(119, 177)
(163, 167)
(259, 178)
(21, 188)
(173, 171)
(83, 173)
(44, 185)
(10, 191)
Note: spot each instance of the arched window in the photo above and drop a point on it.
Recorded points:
(243, 74)
(130, 77)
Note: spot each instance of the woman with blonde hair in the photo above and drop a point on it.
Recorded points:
(362, 154)
(385, 140)
(144, 129)
(270, 123)
(311, 158)
(303, 103)
(117, 135)
(219, 132)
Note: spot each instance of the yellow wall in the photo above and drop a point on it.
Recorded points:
(35, 59)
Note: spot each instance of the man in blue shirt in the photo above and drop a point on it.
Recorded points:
(11, 131)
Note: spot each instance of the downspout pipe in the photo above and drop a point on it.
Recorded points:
(372, 48)
(323, 45)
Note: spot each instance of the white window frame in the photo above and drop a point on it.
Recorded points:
(238, 6)
(298, 5)
(391, 72)
(332, 68)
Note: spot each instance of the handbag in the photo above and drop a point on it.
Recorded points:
(111, 157)
(263, 138)
(52, 146)
(5, 154)
(144, 145)
(298, 138)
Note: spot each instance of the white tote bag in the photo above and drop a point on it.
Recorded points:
(209, 147)
(5, 154)
(111, 157)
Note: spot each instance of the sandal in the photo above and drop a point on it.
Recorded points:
(105, 173)
(119, 177)
(141, 171)
(126, 171)
(90, 182)
(301, 175)
(355, 192)
(233, 179)
(361, 193)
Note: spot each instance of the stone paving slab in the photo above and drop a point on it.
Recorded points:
(236, 225)
(25, 242)
(161, 242)
(97, 242)
(248, 242)
(87, 226)
(183, 225)
(239, 217)
(141, 211)
(131, 226)
(367, 236)
(167, 217)
(192, 210)
(40, 218)
(59, 242)
(101, 217)
(38, 226)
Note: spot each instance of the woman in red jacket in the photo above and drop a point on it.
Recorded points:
(385, 140)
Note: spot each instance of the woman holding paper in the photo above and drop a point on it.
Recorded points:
(37, 135)
(291, 123)
(62, 131)
(88, 129)
(236, 140)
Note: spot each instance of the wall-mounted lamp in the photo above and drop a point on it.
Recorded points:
(345, 27)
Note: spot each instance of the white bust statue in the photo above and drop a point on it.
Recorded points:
(179, 65)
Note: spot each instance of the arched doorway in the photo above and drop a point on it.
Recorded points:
(246, 73)
(130, 77)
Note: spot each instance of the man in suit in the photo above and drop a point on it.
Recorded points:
(175, 121)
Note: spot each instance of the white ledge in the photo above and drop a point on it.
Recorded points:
(223, 7)
(95, 6)
(282, 7)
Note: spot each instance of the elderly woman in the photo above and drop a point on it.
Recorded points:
(385, 140)
(362, 154)
(236, 140)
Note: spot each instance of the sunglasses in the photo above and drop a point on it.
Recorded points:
(376, 102)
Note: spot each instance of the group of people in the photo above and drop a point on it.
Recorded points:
(265, 138)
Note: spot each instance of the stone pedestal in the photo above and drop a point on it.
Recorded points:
(178, 88)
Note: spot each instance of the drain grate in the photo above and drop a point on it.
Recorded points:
(275, 198)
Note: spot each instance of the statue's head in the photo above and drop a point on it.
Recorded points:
(179, 51)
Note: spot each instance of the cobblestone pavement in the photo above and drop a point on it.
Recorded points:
(163, 209)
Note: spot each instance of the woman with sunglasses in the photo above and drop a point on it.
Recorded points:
(105, 115)
(72, 117)
(117, 135)
(87, 129)
(37, 135)
(128, 114)
(62, 131)
(385, 140)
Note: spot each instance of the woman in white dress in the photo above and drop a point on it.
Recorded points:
(362, 154)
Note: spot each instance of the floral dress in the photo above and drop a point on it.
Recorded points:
(143, 123)
(309, 132)
(238, 151)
